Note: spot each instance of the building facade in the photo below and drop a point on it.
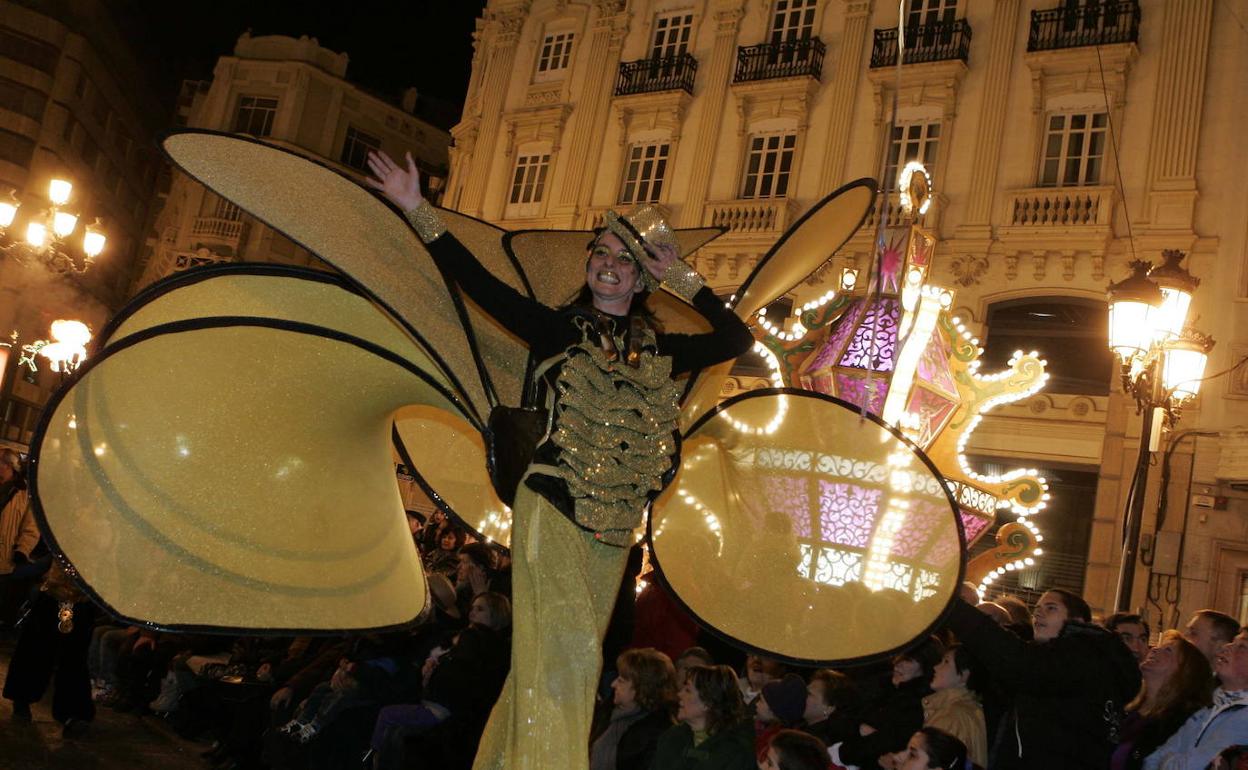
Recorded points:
(1064, 138)
(75, 105)
(294, 94)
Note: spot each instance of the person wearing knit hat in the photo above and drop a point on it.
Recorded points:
(781, 705)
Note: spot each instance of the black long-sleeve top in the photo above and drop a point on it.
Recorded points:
(550, 331)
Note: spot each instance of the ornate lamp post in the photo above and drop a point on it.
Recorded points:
(45, 237)
(1162, 365)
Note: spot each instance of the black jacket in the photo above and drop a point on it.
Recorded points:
(635, 751)
(1068, 693)
(895, 718)
(729, 749)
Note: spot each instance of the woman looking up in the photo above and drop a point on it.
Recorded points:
(604, 373)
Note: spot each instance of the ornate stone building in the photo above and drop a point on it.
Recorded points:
(292, 93)
(75, 105)
(1064, 137)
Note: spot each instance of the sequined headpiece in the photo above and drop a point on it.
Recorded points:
(640, 229)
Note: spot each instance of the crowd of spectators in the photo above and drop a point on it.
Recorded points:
(999, 686)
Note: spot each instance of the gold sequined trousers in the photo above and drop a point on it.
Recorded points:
(563, 587)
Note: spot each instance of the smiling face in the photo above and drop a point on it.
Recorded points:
(1231, 663)
(1161, 662)
(612, 274)
(1049, 617)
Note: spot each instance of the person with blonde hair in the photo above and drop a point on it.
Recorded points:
(1177, 683)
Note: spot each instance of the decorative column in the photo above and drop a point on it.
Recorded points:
(502, 30)
(987, 159)
(1177, 110)
(845, 92)
(718, 75)
(593, 108)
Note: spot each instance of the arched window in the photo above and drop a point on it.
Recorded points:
(1068, 332)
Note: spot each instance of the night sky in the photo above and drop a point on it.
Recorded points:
(391, 45)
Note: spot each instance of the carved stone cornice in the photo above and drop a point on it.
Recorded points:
(534, 124)
(926, 83)
(857, 7)
(1077, 70)
(781, 98)
(640, 112)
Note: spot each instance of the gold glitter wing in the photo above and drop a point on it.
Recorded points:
(224, 461)
(799, 529)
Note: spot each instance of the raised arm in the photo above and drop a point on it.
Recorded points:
(729, 336)
(522, 315)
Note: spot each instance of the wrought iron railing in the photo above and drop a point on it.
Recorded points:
(660, 73)
(1095, 23)
(787, 59)
(942, 41)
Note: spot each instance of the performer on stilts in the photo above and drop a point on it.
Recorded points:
(604, 374)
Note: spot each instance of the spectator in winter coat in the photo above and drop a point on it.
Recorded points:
(831, 701)
(1069, 685)
(1177, 684)
(643, 700)
(955, 709)
(1212, 729)
(713, 733)
(885, 728)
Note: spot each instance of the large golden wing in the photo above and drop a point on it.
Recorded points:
(223, 462)
(800, 529)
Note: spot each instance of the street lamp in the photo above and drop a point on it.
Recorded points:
(45, 238)
(1162, 361)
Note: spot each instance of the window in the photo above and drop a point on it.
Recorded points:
(556, 52)
(793, 20)
(914, 141)
(671, 35)
(80, 86)
(22, 99)
(28, 50)
(529, 181)
(768, 165)
(924, 12)
(643, 177)
(15, 148)
(67, 130)
(255, 115)
(355, 148)
(226, 210)
(90, 150)
(1074, 149)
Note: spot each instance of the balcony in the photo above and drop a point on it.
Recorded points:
(1061, 207)
(666, 73)
(185, 260)
(747, 217)
(942, 41)
(1103, 23)
(788, 59)
(225, 232)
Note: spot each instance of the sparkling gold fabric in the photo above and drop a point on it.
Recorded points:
(682, 280)
(563, 586)
(613, 425)
(345, 225)
(235, 477)
(425, 221)
(806, 245)
(799, 528)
